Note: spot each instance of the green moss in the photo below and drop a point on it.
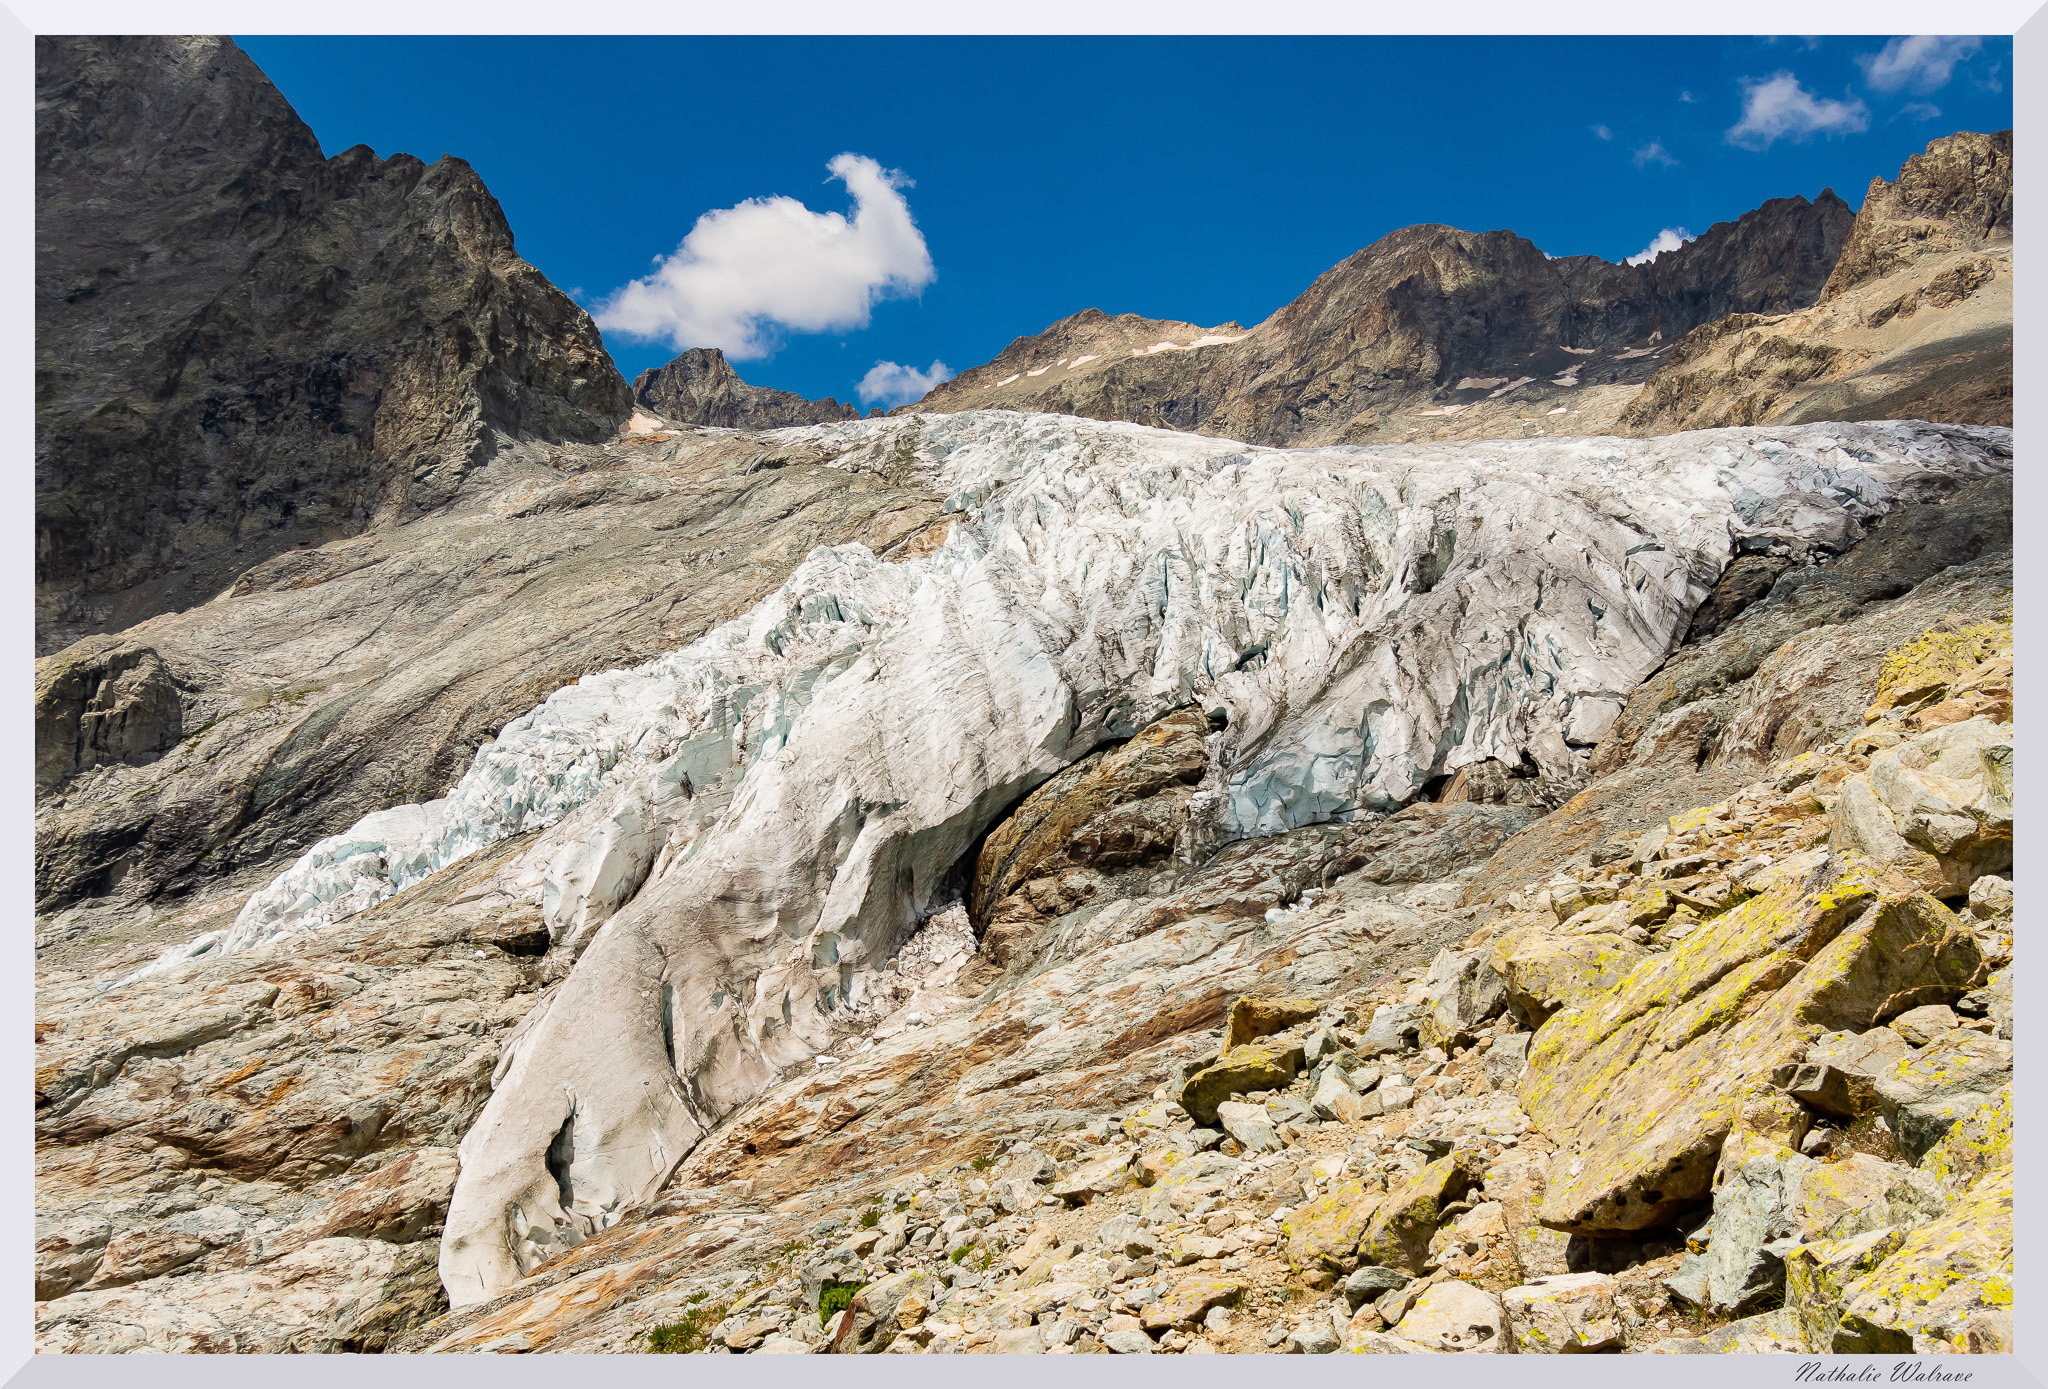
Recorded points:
(691, 1333)
(982, 1163)
(836, 1298)
(962, 1252)
(870, 1218)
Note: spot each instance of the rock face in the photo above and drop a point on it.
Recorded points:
(180, 757)
(244, 348)
(1430, 332)
(700, 387)
(1915, 321)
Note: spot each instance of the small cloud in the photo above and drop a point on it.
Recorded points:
(1653, 153)
(746, 274)
(891, 384)
(1918, 111)
(1777, 107)
(1602, 131)
(1670, 239)
(1687, 97)
(1921, 64)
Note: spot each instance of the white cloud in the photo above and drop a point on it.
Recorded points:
(1653, 153)
(1687, 97)
(1777, 107)
(1670, 239)
(1922, 63)
(890, 384)
(1602, 131)
(745, 274)
(1920, 110)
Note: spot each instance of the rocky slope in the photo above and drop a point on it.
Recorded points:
(700, 387)
(251, 1149)
(1915, 321)
(244, 348)
(1429, 333)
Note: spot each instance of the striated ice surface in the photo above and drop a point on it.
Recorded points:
(740, 836)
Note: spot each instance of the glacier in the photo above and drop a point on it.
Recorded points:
(735, 837)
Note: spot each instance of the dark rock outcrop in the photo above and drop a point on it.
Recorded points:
(700, 387)
(243, 347)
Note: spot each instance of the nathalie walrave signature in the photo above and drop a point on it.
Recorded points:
(1901, 1372)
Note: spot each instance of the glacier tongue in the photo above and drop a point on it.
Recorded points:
(738, 834)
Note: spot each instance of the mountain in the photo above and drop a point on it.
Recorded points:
(994, 881)
(244, 348)
(1915, 321)
(1429, 333)
(700, 387)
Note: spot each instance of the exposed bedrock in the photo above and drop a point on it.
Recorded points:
(742, 831)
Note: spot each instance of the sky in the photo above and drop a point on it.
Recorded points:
(857, 217)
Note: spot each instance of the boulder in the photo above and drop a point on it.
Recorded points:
(1952, 1077)
(1839, 1075)
(1189, 1300)
(1640, 1090)
(1315, 1336)
(1400, 1229)
(1977, 1143)
(1456, 1316)
(1101, 1175)
(1769, 1199)
(1187, 1182)
(1334, 1099)
(1505, 1059)
(1250, 1125)
(1126, 1235)
(1545, 972)
(1362, 1341)
(1253, 1018)
(1323, 1233)
(1393, 1028)
(1769, 1333)
(1920, 1026)
(1818, 1276)
(1239, 1071)
(1937, 808)
(1570, 1314)
(1129, 1341)
(1462, 991)
(1922, 1299)
(1371, 1282)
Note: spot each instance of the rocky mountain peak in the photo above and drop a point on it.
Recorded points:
(1955, 196)
(701, 387)
(244, 347)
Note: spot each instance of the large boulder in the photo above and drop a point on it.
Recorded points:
(1455, 1316)
(1921, 1300)
(1839, 1075)
(1239, 1070)
(1937, 807)
(1399, 1232)
(1323, 1233)
(1640, 1090)
(1769, 1199)
(1949, 1079)
(1463, 991)
(1252, 1018)
(1977, 1143)
(1545, 972)
(1570, 1314)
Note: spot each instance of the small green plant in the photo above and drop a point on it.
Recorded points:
(902, 1206)
(836, 1298)
(870, 1218)
(982, 1163)
(690, 1334)
(962, 1252)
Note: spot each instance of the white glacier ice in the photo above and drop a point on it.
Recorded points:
(740, 834)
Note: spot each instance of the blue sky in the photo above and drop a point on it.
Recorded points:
(1199, 179)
